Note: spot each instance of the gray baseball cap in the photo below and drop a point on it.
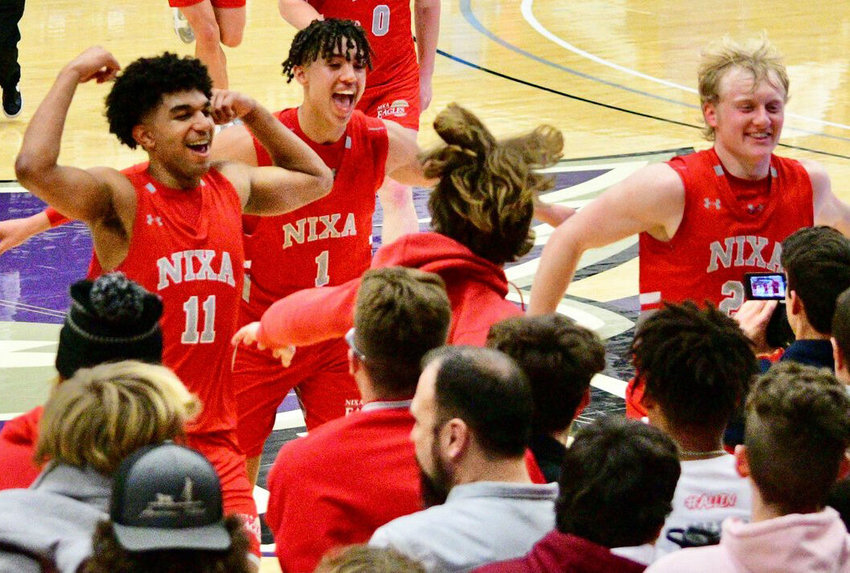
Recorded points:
(167, 496)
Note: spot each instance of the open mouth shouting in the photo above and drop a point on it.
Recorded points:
(344, 100)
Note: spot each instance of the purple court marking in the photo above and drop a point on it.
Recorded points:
(34, 277)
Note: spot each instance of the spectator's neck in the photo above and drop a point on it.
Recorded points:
(511, 470)
(805, 331)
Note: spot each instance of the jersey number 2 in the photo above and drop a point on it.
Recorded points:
(190, 332)
(381, 20)
(734, 293)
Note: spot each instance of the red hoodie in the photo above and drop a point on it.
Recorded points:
(476, 289)
(17, 446)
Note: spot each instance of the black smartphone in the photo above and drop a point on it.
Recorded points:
(764, 286)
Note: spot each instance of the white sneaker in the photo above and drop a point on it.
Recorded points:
(182, 27)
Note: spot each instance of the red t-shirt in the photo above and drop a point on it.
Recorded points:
(341, 482)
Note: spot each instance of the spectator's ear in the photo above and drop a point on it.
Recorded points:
(742, 463)
(457, 438)
(795, 304)
(353, 364)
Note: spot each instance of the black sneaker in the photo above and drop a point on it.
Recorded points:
(12, 102)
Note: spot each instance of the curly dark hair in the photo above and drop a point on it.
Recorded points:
(696, 363)
(326, 39)
(110, 557)
(138, 90)
(484, 199)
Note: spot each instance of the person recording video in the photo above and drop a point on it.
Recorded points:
(817, 268)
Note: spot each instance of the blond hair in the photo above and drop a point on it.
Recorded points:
(757, 56)
(367, 559)
(102, 414)
(484, 199)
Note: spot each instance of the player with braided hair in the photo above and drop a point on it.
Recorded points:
(399, 86)
(327, 242)
(481, 216)
(326, 40)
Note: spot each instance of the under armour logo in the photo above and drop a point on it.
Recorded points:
(151, 220)
(753, 209)
(708, 203)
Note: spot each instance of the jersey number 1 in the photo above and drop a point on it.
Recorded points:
(322, 277)
(190, 332)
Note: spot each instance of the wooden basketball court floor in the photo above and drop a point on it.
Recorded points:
(616, 76)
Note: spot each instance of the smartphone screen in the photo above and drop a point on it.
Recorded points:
(764, 286)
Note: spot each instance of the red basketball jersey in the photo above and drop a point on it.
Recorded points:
(326, 242)
(722, 237)
(195, 264)
(387, 25)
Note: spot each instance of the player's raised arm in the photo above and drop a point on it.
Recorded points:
(81, 194)
(299, 176)
(651, 200)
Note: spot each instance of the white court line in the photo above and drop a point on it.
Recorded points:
(289, 420)
(535, 23)
(527, 13)
(610, 385)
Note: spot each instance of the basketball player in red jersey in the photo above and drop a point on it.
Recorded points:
(173, 224)
(399, 85)
(327, 242)
(706, 219)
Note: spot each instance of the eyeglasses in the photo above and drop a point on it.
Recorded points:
(349, 339)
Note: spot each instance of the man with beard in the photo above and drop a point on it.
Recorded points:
(472, 411)
(354, 474)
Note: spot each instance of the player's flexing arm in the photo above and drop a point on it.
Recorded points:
(271, 190)
(101, 197)
(651, 200)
